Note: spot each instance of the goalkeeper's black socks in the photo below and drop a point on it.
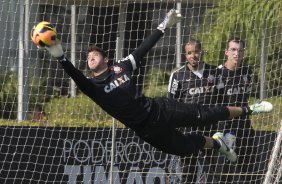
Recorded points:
(216, 144)
(246, 111)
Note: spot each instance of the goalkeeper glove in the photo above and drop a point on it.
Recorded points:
(55, 50)
(172, 17)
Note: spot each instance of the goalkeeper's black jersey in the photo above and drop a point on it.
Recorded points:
(234, 86)
(186, 86)
(115, 91)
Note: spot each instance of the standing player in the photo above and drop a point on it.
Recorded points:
(193, 83)
(235, 89)
(153, 119)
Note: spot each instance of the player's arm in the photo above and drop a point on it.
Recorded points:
(218, 88)
(171, 18)
(250, 83)
(246, 83)
(145, 46)
(79, 78)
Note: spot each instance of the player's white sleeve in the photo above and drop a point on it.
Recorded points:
(133, 62)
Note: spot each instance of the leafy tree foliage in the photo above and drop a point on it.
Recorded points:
(9, 95)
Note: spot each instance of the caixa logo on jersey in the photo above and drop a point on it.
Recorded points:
(199, 90)
(239, 90)
(116, 83)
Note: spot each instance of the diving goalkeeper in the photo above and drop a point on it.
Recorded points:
(153, 119)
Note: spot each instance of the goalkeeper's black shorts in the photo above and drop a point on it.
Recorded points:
(161, 132)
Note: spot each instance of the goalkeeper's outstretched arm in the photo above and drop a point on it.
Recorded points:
(172, 17)
(79, 78)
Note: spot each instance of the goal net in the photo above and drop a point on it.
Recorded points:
(51, 133)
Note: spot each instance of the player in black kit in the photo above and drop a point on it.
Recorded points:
(154, 120)
(235, 87)
(193, 82)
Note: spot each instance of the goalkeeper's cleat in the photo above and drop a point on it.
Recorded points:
(224, 148)
(172, 17)
(260, 107)
(230, 140)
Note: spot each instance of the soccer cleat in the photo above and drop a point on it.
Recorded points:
(230, 140)
(172, 17)
(224, 148)
(260, 107)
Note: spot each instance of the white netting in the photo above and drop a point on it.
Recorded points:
(50, 132)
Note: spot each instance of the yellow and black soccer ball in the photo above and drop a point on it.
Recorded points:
(44, 34)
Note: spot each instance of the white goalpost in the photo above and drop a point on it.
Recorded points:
(51, 133)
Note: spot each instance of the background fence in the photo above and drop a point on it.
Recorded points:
(38, 101)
